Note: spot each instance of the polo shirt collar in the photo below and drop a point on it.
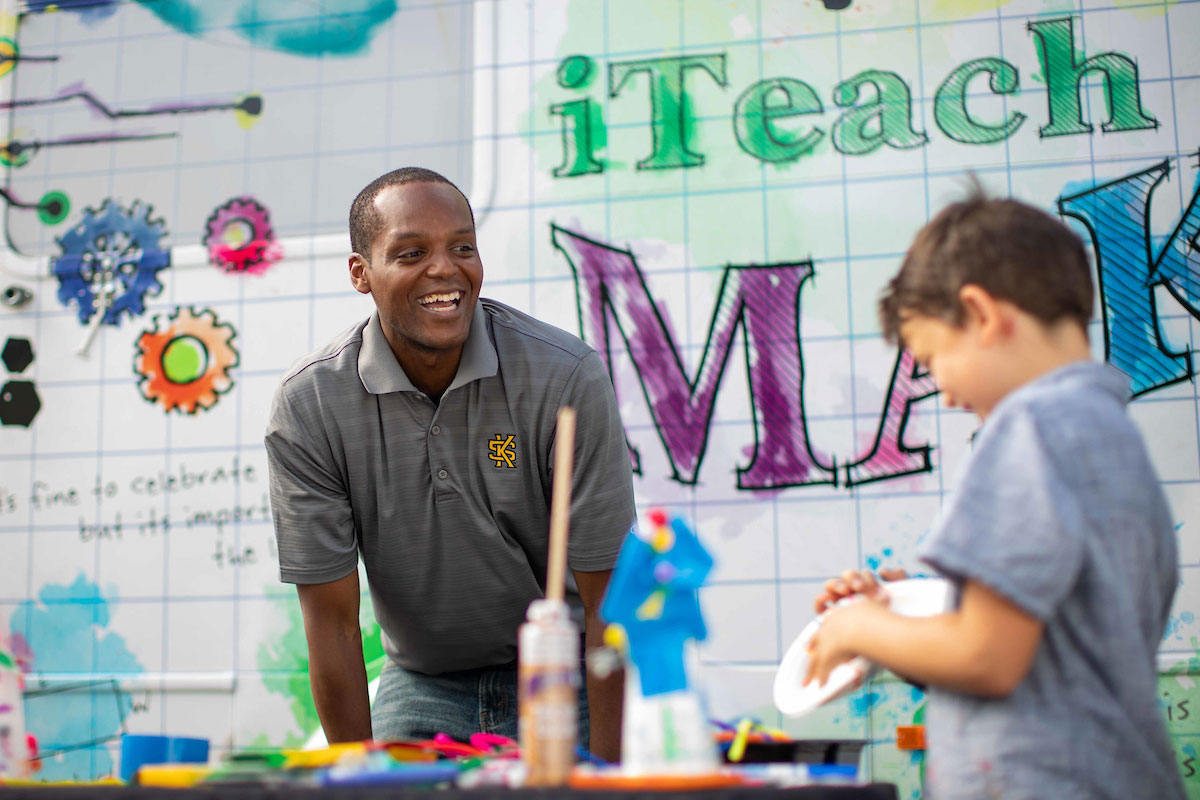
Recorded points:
(381, 372)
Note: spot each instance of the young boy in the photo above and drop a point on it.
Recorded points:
(1042, 681)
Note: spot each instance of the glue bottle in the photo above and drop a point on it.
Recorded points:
(547, 686)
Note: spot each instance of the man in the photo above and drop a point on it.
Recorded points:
(422, 441)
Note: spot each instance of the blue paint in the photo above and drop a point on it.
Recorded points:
(90, 11)
(862, 703)
(1130, 263)
(298, 27)
(66, 633)
(1176, 623)
(873, 562)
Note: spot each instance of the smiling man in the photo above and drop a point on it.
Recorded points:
(422, 441)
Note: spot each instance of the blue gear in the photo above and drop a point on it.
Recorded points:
(122, 245)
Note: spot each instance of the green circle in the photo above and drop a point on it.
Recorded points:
(185, 359)
(53, 207)
(574, 71)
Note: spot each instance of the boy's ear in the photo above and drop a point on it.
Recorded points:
(358, 274)
(985, 314)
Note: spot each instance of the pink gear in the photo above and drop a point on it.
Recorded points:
(239, 237)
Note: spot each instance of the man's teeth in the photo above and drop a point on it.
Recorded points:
(452, 297)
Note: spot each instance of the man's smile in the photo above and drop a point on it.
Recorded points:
(442, 301)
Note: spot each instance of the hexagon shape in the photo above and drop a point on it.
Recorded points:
(19, 403)
(17, 354)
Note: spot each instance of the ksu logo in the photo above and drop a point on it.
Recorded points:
(501, 451)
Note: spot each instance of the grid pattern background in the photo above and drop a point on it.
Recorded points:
(469, 89)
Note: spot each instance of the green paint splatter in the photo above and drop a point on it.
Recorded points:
(284, 664)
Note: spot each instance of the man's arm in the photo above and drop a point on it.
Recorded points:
(605, 695)
(336, 670)
(984, 648)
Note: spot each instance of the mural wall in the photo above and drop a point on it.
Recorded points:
(712, 194)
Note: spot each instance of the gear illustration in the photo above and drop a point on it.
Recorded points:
(239, 236)
(185, 364)
(110, 261)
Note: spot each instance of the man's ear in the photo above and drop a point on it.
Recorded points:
(988, 316)
(358, 274)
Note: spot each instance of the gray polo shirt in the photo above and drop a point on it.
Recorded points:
(447, 504)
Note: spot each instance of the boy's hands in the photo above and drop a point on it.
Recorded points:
(854, 582)
(832, 644)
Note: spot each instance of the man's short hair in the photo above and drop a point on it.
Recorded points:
(364, 218)
(1012, 250)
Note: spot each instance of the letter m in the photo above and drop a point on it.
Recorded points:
(764, 300)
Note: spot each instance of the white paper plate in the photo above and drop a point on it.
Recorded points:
(912, 597)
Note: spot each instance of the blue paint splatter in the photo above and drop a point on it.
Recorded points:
(65, 632)
(863, 703)
(1175, 623)
(90, 11)
(299, 27)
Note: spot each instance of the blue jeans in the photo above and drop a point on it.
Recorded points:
(413, 705)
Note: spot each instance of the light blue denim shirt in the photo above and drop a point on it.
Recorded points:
(1060, 511)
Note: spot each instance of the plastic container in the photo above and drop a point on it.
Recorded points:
(547, 689)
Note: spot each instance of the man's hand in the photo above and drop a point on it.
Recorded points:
(854, 582)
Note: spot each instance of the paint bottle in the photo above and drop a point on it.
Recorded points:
(547, 688)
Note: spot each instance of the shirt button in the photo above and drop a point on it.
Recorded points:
(443, 474)
(435, 430)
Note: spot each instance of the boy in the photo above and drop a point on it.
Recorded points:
(1042, 680)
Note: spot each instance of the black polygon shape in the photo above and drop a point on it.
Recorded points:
(19, 403)
(17, 355)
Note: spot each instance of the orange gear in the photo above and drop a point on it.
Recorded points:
(185, 365)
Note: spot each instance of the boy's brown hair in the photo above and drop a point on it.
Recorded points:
(1013, 251)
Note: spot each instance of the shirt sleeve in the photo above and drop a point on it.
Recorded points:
(602, 507)
(314, 526)
(1012, 525)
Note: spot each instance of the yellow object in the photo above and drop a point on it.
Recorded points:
(325, 757)
(737, 748)
(409, 751)
(614, 637)
(652, 608)
(171, 775)
(663, 539)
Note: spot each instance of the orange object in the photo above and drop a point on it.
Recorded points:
(910, 737)
(606, 779)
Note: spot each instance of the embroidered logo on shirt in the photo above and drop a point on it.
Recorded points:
(503, 453)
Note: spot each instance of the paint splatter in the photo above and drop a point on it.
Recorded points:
(342, 28)
(284, 665)
(66, 632)
(90, 11)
